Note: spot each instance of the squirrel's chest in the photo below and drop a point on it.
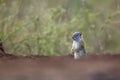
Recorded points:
(76, 44)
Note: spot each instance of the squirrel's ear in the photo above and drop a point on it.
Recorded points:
(80, 33)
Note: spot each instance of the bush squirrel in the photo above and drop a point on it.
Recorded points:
(78, 47)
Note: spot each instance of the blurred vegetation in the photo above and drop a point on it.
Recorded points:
(44, 27)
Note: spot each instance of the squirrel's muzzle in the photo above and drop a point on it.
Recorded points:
(73, 38)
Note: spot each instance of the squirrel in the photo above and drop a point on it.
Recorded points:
(1, 48)
(78, 47)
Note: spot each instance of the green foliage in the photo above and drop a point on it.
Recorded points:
(42, 28)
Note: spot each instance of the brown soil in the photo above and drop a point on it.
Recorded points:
(91, 67)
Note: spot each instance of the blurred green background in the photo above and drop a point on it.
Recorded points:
(44, 27)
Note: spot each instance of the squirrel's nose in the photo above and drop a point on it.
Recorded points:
(72, 37)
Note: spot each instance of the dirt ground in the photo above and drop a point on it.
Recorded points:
(90, 67)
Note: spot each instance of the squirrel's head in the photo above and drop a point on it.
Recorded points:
(77, 36)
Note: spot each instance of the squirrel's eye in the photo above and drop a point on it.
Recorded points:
(76, 35)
